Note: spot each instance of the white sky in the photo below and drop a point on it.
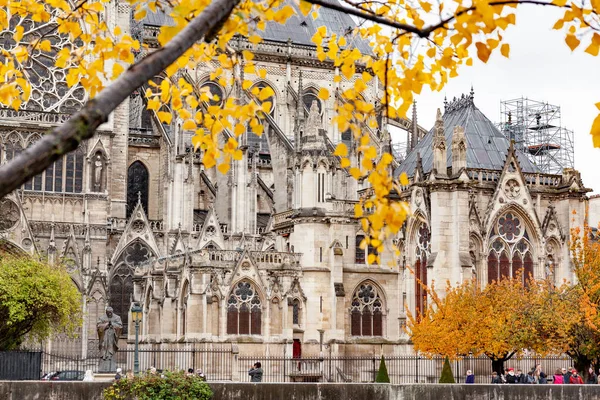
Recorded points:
(541, 67)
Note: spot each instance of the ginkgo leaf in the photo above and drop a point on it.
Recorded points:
(265, 93)
(572, 41)
(593, 49)
(223, 168)
(403, 179)
(189, 125)
(305, 7)
(341, 150)
(239, 129)
(323, 94)
(505, 49)
(345, 163)
(595, 132)
(164, 117)
(483, 52)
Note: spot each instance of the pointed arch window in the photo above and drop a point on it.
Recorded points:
(137, 185)
(422, 253)
(121, 282)
(366, 311)
(244, 310)
(359, 257)
(510, 254)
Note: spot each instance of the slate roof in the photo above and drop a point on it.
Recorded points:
(298, 28)
(486, 145)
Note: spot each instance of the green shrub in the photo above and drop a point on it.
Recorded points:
(173, 386)
(382, 374)
(447, 376)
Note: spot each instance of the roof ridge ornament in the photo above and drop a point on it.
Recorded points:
(464, 101)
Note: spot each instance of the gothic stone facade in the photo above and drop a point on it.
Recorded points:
(267, 255)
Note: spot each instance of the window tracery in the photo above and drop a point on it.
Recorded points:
(244, 310)
(423, 249)
(510, 252)
(121, 282)
(366, 312)
(137, 187)
(49, 89)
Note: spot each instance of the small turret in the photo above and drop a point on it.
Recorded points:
(440, 165)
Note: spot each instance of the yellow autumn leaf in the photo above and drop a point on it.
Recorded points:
(483, 52)
(323, 94)
(403, 179)
(341, 150)
(239, 129)
(238, 155)
(572, 41)
(164, 117)
(45, 45)
(265, 93)
(355, 172)
(358, 210)
(593, 49)
(223, 168)
(255, 39)
(505, 49)
(117, 70)
(345, 163)
(595, 132)
(305, 7)
(189, 125)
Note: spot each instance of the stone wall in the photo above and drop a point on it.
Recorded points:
(24, 390)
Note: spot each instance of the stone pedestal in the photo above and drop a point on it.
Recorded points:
(108, 366)
(104, 377)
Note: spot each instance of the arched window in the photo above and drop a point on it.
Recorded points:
(214, 91)
(13, 146)
(510, 252)
(366, 312)
(422, 253)
(121, 281)
(257, 88)
(137, 183)
(244, 313)
(296, 312)
(359, 257)
(309, 97)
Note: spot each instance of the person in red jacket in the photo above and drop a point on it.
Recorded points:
(575, 379)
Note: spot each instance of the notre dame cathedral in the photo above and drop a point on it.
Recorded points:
(267, 255)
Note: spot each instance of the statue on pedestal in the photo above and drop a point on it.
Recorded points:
(109, 328)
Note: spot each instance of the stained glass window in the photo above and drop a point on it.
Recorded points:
(366, 311)
(121, 283)
(359, 257)
(510, 251)
(422, 253)
(244, 311)
(137, 185)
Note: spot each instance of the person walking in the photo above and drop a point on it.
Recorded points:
(575, 379)
(470, 377)
(256, 373)
(592, 378)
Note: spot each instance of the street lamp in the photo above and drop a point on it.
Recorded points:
(136, 315)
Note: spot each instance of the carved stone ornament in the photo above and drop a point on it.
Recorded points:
(26, 243)
(549, 248)
(9, 214)
(512, 189)
(418, 194)
(245, 265)
(210, 231)
(138, 226)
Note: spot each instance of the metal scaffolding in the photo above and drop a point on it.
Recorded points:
(536, 128)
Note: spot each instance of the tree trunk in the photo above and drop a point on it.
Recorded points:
(83, 124)
(498, 366)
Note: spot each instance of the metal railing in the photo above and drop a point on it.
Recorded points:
(223, 363)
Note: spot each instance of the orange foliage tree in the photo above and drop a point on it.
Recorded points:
(503, 319)
(584, 341)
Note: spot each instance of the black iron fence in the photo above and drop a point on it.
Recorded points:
(401, 369)
(223, 363)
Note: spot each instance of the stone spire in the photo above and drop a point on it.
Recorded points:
(414, 130)
(440, 165)
(298, 131)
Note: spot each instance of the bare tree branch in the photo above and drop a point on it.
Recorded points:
(425, 32)
(84, 123)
